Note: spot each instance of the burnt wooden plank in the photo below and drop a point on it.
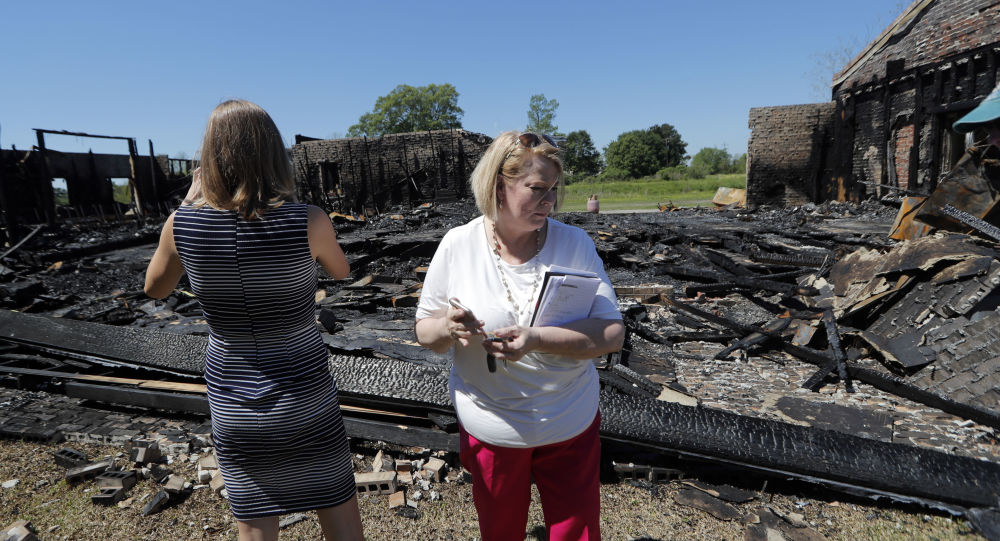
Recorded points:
(413, 436)
(776, 325)
(159, 400)
(897, 470)
(833, 337)
(129, 345)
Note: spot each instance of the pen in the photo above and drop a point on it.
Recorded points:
(491, 362)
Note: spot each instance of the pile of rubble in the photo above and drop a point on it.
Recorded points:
(808, 317)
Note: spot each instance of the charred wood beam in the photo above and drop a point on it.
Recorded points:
(729, 287)
(356, 427)
(833, 337)
(884, 381)
(776, 325)
(982, 226)
(726, 262)
(903, 472)
(839, 362)
(81, 134)
(712, 289)
(720, 337)
(797, 260)
(93, 341)
(753, 283)
(159, 400)
(815, 381)
(413, 436)
(21, 242)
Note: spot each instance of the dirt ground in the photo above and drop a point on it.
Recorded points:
(631, 510)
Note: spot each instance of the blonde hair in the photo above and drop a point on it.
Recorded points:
(515, 158)
(244, 166)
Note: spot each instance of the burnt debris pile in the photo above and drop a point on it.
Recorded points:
(800, 341)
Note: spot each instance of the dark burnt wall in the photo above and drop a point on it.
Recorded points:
(359, 174)
(897, 102)
(785, 153)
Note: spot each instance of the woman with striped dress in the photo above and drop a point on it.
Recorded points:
(250, 254)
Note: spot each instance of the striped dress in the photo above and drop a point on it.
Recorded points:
(276, 422)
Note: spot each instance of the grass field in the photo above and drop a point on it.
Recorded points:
(647, 193)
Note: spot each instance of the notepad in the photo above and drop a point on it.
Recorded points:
(566, 296)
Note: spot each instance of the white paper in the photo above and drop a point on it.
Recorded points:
(567, 295)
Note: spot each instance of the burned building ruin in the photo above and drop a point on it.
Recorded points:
(27, 194)
(888, 124)
(357, 176)
(361, 175)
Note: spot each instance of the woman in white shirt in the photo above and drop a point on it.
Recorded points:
(535, 418)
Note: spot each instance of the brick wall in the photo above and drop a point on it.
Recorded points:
(943, 29)
(784, 154)
(359, 174)
(903, 144)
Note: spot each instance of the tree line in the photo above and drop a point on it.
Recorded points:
(655, 151)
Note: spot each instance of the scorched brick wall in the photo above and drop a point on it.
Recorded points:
(784, 155)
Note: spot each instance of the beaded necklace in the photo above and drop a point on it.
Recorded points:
(502, 273)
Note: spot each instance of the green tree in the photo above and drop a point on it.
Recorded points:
(579, 155)
(411, 108)
(639, 152)
(739, 164)
(542, 115)
(676, 147)
(712, 160)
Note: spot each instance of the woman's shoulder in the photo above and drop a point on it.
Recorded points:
(314, 212)
(567, 233)
(465, 232)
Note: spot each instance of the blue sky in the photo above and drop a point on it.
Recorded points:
(155, 70)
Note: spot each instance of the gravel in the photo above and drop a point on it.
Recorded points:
(630, 509)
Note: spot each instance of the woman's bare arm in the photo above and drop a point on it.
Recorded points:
(324, 246)
(165, 268)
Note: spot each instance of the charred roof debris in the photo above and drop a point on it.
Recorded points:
(732, 315)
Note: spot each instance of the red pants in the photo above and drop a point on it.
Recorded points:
(567, 475)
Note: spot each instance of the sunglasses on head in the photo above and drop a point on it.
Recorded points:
(528, 140)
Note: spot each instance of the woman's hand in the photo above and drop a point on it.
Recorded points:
(517, 342)
(194, 192)
(582, 340)
(461, 325)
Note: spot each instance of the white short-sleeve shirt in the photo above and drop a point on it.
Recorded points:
(542, 398)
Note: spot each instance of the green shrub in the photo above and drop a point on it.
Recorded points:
(614, 173)
(676, 172)
(697, 170)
